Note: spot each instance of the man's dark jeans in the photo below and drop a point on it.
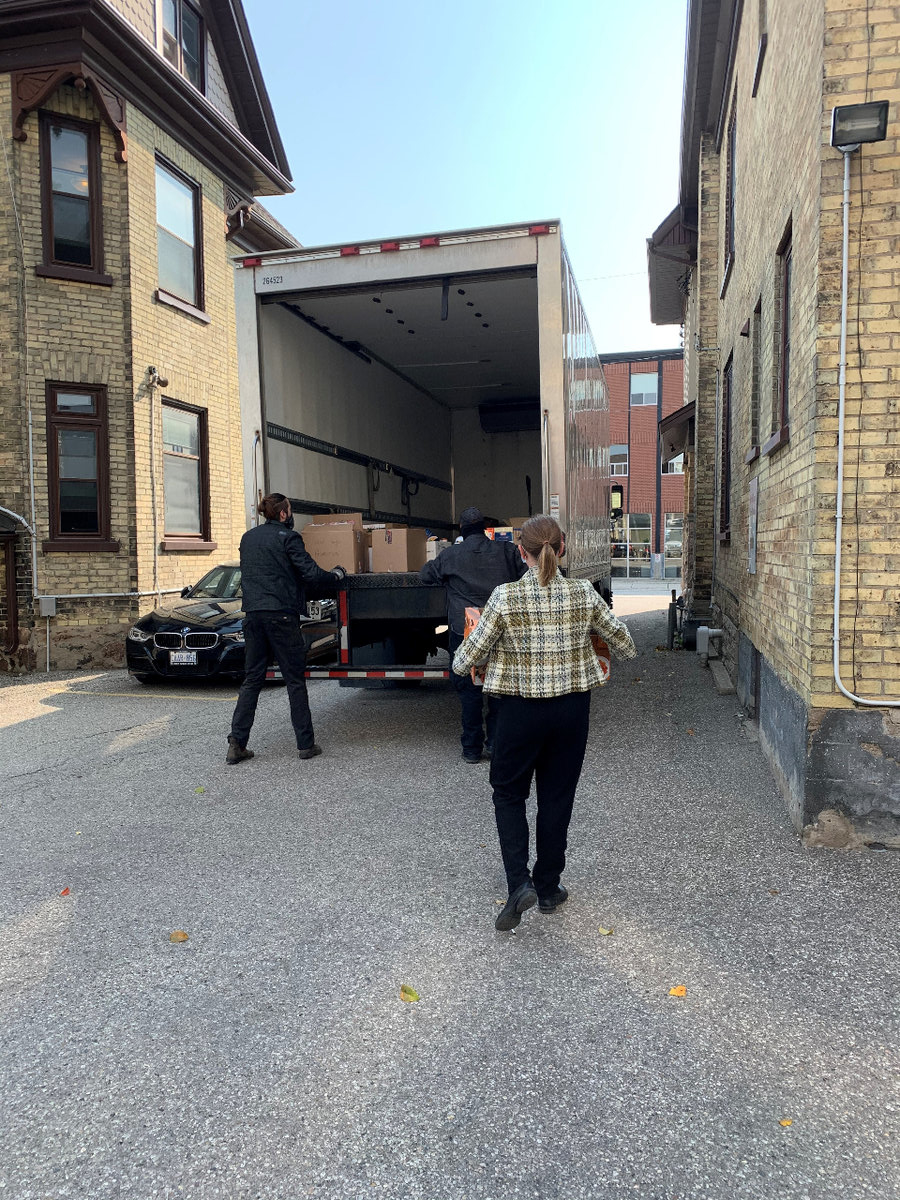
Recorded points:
(273, 635)
(544, 740)
(471, 699)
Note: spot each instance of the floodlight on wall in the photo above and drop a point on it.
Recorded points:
(853, 124)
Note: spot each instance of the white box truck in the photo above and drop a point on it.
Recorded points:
(408, 378)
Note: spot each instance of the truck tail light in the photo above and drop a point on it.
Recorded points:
(390, 245)
(535, 230)
(251, 262)
(429, 241)
(349, 251)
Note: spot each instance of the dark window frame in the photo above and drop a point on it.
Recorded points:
(730, 194)
(781, 425)
(756, 374)
(193, 307)
(185, 541)
(84, 543)
(725, 471)
(51, 267)
(180, 5)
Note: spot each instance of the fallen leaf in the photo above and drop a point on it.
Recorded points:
(691, 732)
(178, 936)
(637, 679)
(410, 995)
(680, 990)
(605, 932)
(662, 647)
(499, 902)
(785, 1122)
(78, 833)
(200, 789)
(774, 892)
(64, 892)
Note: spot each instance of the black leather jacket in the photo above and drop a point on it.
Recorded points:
(275, 565)
(470, 571)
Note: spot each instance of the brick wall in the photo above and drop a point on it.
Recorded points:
(80, 333)
(870, 577)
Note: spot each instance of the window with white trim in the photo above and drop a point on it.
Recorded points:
(618, 460)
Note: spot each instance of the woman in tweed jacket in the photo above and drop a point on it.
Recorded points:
(535, 636)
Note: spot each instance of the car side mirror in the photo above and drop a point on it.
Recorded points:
(186, 591)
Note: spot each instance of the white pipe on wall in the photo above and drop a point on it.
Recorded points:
(839, 523)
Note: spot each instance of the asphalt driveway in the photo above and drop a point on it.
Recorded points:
(270, 1055)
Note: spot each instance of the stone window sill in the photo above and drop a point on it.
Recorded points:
(182, 305)
(725, 538)
(752, 455)
(73, 274)
(729, 267)
(80, 546)
(779, 438)
(185, 543)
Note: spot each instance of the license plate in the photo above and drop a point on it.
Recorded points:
(183, 658)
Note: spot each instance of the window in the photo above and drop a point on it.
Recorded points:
(783, 320)
(763, 42)
(618, 460)
(185, 477)
(78, 469)
(730, 189)
(786, 260)
(177, 236)
(675, 466)
(725, 455)
(630, 547)
(673, 545)
(183, 40)
(644, 389)
(70, 200)
(755, 379)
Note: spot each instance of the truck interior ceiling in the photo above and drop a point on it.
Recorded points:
(440, 375)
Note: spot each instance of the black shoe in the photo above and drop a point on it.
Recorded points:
(236, 752)
(472, 758)
(550, 904)
(522, 898)
(488, 750)
(310, 753)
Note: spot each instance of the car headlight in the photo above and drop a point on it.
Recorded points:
(233, 637)
(136, 634)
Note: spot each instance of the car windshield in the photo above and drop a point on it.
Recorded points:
(221, 583)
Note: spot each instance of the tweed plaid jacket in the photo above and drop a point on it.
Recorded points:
(536, 640)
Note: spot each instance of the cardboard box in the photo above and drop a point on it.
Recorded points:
(516, 524)
(398, 549)
(433, 548)
(336, 544)
(354, 519)
(500, 533)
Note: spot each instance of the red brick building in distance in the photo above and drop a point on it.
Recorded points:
(647, 502)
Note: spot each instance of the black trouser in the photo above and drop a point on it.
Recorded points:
(544, 739)
(273, 635)
(471, 699)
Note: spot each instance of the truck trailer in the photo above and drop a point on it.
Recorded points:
(408, 378)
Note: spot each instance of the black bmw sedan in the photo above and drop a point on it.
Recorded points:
(200, 636)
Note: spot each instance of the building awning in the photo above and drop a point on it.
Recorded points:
(671, 252)
(676, 433)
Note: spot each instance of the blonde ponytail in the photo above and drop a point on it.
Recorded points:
(542, 539)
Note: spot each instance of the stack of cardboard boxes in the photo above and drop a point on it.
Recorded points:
(346, 540)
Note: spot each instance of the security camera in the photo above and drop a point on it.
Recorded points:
(156, 379)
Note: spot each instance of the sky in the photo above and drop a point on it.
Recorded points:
(403, 118)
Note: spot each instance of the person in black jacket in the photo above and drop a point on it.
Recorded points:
(470, 570)
(275, 566)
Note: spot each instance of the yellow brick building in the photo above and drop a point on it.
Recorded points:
(136, 134)
(751, 261)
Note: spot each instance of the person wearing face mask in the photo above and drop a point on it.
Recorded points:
(535, 636)
(275, 571)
